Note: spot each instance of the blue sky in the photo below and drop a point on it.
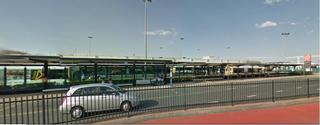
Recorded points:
(221, 28)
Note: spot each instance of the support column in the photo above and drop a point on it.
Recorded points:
(25, 76)
(65, 75)
(5, 76)
(134, 75)
(95, 72)
(165, 73)
(45, 77)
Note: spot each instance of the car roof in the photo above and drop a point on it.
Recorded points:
(90, 85)
(76, 87)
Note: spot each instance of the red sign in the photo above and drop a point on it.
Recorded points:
(307, 58)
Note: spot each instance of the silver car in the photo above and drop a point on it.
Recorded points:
(96, 97)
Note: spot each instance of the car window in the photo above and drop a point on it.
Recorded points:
(118, 89)
(78, 92)
(107, 90)
(92, 91)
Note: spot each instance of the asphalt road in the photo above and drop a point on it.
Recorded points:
(30, 109)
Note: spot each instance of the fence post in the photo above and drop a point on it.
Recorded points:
(43, 109)
(308, 84)
(273, 100)
(128, 115)
(232, 99)
(185, 97)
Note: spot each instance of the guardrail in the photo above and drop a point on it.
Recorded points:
(48, 107)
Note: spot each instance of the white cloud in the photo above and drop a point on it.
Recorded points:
(272, 2)
(288, 23)
(292, 23)
(267, 24)
(162, 33)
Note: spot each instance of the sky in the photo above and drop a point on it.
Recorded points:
(176, 28)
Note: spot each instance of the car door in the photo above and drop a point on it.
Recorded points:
(90, 99)
(110, 98)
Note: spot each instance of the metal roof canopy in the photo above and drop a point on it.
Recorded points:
(56, 60)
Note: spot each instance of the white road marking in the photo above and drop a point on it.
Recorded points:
(299, 87)
(280, 91)
(214, 102)
(250, 96)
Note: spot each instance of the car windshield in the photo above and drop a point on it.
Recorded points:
(118, 88)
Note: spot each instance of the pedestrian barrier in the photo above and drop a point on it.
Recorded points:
(46, 108)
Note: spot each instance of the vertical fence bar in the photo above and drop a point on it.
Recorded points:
(32, 108)
(4, 111)
(27, 109)
(21, 103)
(185, 96)
(52, 111)
(232, 98)
(43, 110)
(273, 100)
(16, 109)
(308, 88)
(128, 112)
(10, 112)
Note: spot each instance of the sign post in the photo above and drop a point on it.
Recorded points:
(307, 63)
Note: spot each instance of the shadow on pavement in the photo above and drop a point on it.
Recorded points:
(147, 104)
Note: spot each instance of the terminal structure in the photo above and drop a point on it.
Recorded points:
(22, 73)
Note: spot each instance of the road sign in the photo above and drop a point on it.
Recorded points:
(307, 63)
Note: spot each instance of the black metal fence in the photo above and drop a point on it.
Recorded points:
(48, 108)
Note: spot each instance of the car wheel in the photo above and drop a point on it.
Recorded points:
(76, 112)
(126, 106)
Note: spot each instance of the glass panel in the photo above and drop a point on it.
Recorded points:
(56, 75)
(102, 74)
(1, 76)
(34, 74)
(15, 75)
(74, 75)
(139, 72)
(87, 74)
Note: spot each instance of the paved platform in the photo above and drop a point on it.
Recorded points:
(148, 118)
(297, 114)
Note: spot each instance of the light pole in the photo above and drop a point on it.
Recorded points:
(146, 27)
(283, 37)
(145, 34)
(90, 37)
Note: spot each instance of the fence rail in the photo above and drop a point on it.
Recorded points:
(46, 108)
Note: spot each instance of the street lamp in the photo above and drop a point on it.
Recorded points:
(90, 37)
(145, 34)
(283, 37)
(146, 27)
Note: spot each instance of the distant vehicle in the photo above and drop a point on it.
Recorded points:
(96, 97)
(157, 81)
